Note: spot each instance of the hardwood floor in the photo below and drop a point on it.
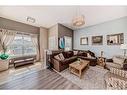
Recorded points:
(44, 79)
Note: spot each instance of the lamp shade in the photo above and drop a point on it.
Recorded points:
(123, 46)
(49, 52)
(78, 21)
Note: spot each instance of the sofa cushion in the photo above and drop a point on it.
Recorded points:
(69, 54)
(29, 59)
(118, 60)
(119, 72)
(109, 74)
(111, 65)
(84, 54)
(19, 61)
(69, 60)
(91, 58)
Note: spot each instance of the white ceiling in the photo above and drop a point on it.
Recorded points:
(48, 16)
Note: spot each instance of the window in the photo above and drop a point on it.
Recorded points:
(22, 45)
(68, 43)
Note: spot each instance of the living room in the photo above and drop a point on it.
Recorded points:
(73, 47)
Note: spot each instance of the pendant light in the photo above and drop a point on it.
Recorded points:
(79, 19)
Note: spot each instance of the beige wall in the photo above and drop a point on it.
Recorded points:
(43, 41)
(53, 32)
(64, 31)
(58, 31)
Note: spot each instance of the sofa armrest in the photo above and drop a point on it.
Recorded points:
(55, 61)
(125, 66)
(56, 64)
(109, 60)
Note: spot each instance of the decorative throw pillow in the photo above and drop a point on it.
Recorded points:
(80, 53)
(88, 55)
(61, 56)
(75, 52)
(91, 53)
(118, 60)
(57, 57)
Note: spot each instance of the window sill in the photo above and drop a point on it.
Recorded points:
(15, 56)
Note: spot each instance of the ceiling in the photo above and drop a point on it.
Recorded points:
(47, 16)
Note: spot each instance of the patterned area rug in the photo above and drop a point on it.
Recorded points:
(92, 78)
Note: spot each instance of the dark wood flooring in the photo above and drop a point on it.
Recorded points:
(44, 79)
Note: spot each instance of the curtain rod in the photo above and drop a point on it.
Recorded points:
(20, 32)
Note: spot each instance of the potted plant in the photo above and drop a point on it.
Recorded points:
(78, 60)
(4, 61)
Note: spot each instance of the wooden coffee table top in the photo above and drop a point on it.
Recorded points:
(79, 66)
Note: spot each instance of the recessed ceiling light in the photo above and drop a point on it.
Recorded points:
(30, 19)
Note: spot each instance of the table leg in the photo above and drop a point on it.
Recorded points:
(88, 66)
(70, 69)
(80, 74)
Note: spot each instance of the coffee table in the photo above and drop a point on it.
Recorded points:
(78, 67)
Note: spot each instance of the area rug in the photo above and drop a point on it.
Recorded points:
(92, 78)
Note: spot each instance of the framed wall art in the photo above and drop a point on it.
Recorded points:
(97, 40)
(84, 41)
(115, 39)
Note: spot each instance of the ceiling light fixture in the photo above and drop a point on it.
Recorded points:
(79, 20)
(30, 19)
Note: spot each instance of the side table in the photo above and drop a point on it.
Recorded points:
(49, 65)
(101, 61)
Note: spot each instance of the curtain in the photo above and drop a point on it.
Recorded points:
(6, 37)
(35, 43)
(68, 43)
(61, 43)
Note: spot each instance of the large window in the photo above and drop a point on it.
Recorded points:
(68, 43)
(22, 45)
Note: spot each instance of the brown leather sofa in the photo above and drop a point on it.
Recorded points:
(69, 56)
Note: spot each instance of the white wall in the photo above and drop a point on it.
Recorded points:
(43, 41)
(111, 27)
(53, 37)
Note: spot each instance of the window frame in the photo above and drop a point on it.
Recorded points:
(23, 46)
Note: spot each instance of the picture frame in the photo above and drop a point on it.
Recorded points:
(84, 41)
(115, 39)
(97, 40)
